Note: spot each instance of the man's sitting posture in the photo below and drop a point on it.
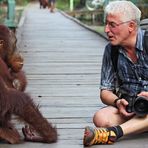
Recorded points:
(128, 81)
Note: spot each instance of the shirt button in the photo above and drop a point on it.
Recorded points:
(139, 78)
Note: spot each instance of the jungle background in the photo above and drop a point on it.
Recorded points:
(91, 18)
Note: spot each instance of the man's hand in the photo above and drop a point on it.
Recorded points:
(143, 93)
(121, 105)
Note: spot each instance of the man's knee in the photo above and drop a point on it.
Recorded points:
(100, 120)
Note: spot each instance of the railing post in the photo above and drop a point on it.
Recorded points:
(0, 6)
(10, 20)
(71, 5)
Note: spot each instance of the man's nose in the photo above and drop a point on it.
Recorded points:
(106, 29)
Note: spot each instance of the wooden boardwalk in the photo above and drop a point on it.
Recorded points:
(62, 64)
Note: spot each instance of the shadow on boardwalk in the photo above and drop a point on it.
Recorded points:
(62, 64)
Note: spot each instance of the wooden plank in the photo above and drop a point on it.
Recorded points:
(63, 79)
(67, 101)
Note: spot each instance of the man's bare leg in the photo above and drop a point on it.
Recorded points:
(112, 126)
(135, 125)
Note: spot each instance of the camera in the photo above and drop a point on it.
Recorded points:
(138, 104)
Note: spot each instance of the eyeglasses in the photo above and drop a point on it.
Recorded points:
(112, 25)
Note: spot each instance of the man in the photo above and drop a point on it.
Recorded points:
(51, 5)
(131, 78)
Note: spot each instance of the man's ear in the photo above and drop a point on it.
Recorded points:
(132, 26)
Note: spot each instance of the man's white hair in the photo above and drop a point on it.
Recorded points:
(126, 9)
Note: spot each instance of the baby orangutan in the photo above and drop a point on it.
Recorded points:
(14, 102)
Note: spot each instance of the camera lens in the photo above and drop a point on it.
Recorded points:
(141, 106)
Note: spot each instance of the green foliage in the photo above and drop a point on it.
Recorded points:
(21, 2)
(65, 4)
(18, 2)
(143, 6)
(2, 14)
(62, 4)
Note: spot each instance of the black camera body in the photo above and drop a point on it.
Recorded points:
(138, 104)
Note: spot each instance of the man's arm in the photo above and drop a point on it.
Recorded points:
(108, 97)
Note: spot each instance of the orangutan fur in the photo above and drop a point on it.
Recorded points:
(19, 77)
(43, 3)
(14, 80)
(13, 102)
(12, 58)
(7, 42)
(15, 62)
(19, 80)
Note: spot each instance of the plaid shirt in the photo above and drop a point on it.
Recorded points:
(134, 76)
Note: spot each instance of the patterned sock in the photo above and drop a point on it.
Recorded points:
(118, 131)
